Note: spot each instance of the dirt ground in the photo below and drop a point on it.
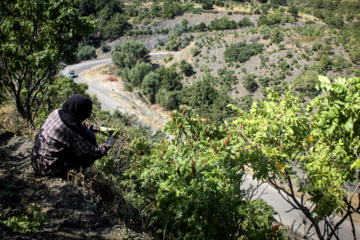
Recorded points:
(75, 208)
(152, 115)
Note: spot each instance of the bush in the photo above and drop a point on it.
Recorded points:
(293, 10)
(186, 68)
(245, 22)
(168, 99)
(198, 195)
(150, 85)
(249, 82)
(130, 53)
(136, 75)
(265, 31)
(207, 6)
(305, 83)
(222, 24)
(242, 51)
(104, 47)
(288, 54)
(195, 51)
(277, 36)
(86, 53)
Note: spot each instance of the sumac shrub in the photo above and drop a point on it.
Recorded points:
(191, 185)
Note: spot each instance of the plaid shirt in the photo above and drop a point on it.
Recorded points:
(55, 141)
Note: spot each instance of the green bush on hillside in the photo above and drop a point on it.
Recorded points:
(242, 51)
(306, 82)
(249, 82)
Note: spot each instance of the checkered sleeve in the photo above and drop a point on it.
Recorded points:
(92, 127)
(84, 149)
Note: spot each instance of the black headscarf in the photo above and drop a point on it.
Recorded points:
(74, 111)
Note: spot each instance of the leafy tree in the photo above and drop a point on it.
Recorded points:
(35, 36)
(319, 147)
(265, 31)
(104, 47)
(59, 91)
(279, 2)
(195, 51)
(194, 183)
(169, 78)
(249, 82)
(306, 83)
(202, 94)
(245, 22)
(86, 52)
(171, 9)
(220, 110)
(115, 26)
(130, 53)
(186, 68)
(277, 36)
(87, 7)
(222, 23)
(178, 29)
(174, 42)
(168, 99)
(201, 27)
(242, 51)
(246, 103)
(150, 85)
(293, 10)
(207, 6)
(184, 22)
(136, 74)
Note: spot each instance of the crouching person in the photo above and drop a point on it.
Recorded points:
(66, 142)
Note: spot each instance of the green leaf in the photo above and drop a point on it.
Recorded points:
(349, 125)
(356, 164)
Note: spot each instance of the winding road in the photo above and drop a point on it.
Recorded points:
(289, 218)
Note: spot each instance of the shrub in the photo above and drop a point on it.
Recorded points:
(150, 85)
(86, 53)
(277, 36)
(242, 51)
(249, 82)
(222, 24)
(305, 83)
(289, 54)
(293, 10)
(104, 47)
(265, 31)
(195, 51)
(207, 6)
(245, 22)
(136, 74)
(186, 68)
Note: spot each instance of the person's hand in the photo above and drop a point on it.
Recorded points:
(111, 141)
(107, 130)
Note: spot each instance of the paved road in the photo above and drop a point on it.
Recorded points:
(293, 218)
(270, 195)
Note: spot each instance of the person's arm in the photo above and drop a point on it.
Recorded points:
(92, 127)
(83, 148)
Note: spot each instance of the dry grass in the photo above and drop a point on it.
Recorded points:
(11, 121)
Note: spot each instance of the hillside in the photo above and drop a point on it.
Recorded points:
(81, 207)
(307, 46)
